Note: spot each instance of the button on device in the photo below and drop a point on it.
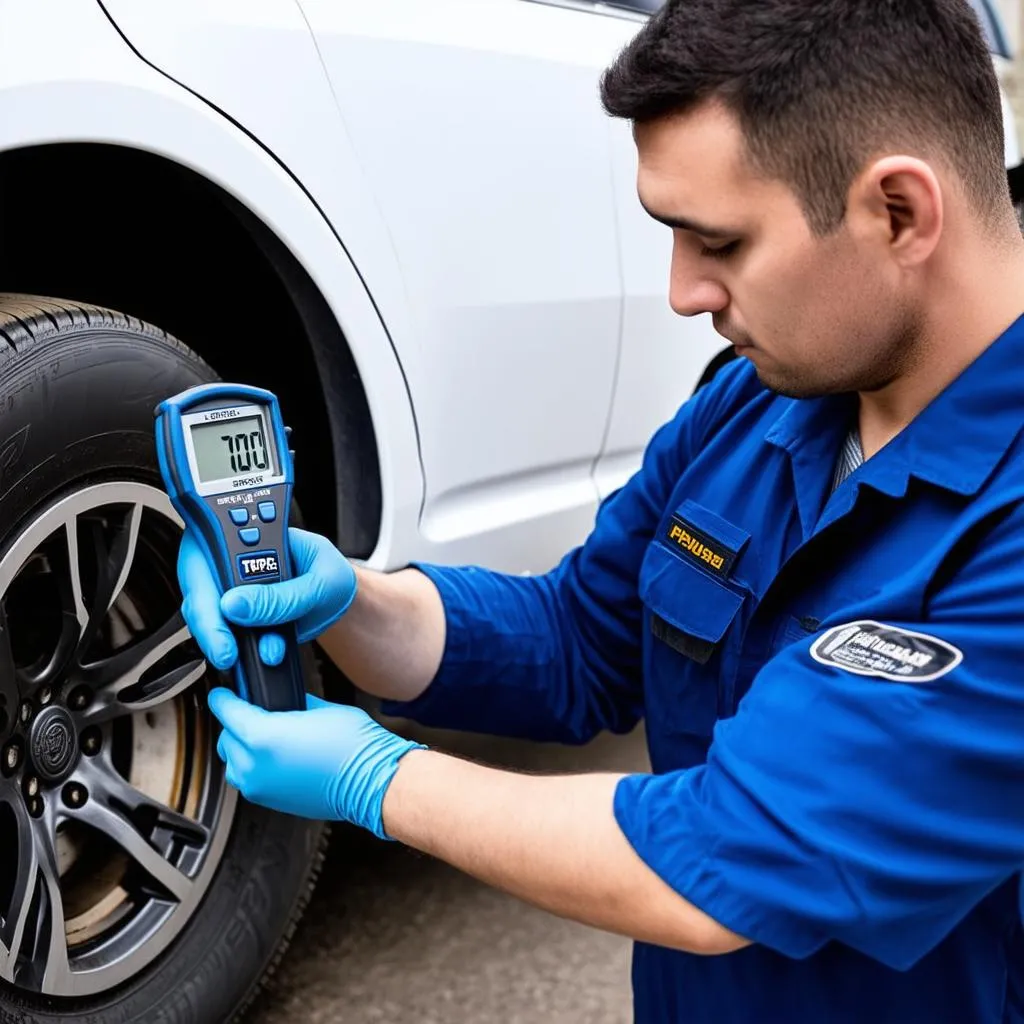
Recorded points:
(250, 536)
(267, 511)
(239, 516)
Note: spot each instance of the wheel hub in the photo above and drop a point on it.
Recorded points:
(113, 810)
(53, 744)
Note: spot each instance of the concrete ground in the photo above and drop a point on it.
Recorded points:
(393, 936)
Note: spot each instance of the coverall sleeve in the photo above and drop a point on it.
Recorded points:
(857, 808)
(557, 656)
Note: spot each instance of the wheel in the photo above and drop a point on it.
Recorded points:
(135, 885)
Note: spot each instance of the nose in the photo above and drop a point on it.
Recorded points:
(692, 285)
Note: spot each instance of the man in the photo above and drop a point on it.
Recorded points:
(813, 589)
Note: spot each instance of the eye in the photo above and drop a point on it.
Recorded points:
(720, 253)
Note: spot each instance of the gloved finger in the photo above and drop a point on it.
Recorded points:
(271, 604)
(272, 648)
(313, 702)
(237, 716)
(220, 745)
(238, 761)
(201, 605)
(306, 547)
(334, 574)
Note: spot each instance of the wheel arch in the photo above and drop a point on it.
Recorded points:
(137, 231)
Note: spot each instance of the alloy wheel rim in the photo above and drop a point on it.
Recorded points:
(111, 792)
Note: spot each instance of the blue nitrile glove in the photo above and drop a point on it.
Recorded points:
(321, 590)
(330, 762)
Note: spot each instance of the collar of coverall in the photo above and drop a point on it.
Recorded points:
(955, 443)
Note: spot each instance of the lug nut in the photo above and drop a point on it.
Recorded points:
(31, 786)
(26, 712)
(35, 806)
(78, 699)
(12, 755)
(75, 794)
(91, 741)
(45, 695)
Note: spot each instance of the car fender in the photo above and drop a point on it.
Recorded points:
(66, 75)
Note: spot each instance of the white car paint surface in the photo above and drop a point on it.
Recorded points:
(460, 151)
(444, 172)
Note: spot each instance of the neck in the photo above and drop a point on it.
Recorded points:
(972, 301)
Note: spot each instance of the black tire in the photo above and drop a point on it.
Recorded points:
(78, 385)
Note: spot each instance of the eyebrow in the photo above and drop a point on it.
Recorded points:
(686, 224)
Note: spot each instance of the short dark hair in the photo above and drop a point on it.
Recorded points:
(820, 86)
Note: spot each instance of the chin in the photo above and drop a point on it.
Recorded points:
(789, 386)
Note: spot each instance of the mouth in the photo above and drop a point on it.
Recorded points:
(733, 337)
(739, 346)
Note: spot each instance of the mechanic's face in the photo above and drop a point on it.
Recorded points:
(814, 315)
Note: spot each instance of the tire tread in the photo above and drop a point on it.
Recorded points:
(26, 323)
(265, 980)
(27, 320)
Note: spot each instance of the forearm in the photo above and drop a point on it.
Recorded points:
(552, 841)
(390, 642)
(523, 658)
(486, 651)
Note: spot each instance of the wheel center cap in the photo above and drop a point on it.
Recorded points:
(53, 744)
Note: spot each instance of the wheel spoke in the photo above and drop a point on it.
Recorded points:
(13, 922)
(111, 801)
(9, 696)
(47, 969)
(155, 691)
(119, 690)
(112, 789)
(113, 561)
(74, 569)
(44, 963)
(57, 978)
(67, 575)
(120, 559)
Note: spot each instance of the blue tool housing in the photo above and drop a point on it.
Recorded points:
(224, 457)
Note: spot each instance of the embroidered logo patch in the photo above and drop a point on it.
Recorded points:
(874, 649)
(697, 545)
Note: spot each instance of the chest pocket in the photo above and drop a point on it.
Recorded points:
(688, 611)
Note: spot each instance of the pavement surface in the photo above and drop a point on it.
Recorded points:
(395, 936)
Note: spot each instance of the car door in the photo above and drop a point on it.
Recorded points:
(663, 355)
(479, 125)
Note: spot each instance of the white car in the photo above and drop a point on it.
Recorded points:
(411, 220)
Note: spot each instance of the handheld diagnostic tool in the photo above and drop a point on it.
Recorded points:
(223, 452)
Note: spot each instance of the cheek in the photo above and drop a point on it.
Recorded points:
(786, 298)
(829, 294)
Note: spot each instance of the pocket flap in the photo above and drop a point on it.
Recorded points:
(685, 596)
(700, 535)
(733, 536)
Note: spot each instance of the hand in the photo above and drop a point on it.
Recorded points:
(330, 762)
(321, 591)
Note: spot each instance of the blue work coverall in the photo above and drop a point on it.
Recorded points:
(833, 690)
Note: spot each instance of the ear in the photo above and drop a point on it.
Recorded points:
(897, 202)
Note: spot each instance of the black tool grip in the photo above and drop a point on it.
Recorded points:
(273, 687)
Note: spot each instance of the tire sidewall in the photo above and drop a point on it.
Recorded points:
(77, 407)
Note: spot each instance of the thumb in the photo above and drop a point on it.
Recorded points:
(315, 703)
(270, 604)
(200, 605)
